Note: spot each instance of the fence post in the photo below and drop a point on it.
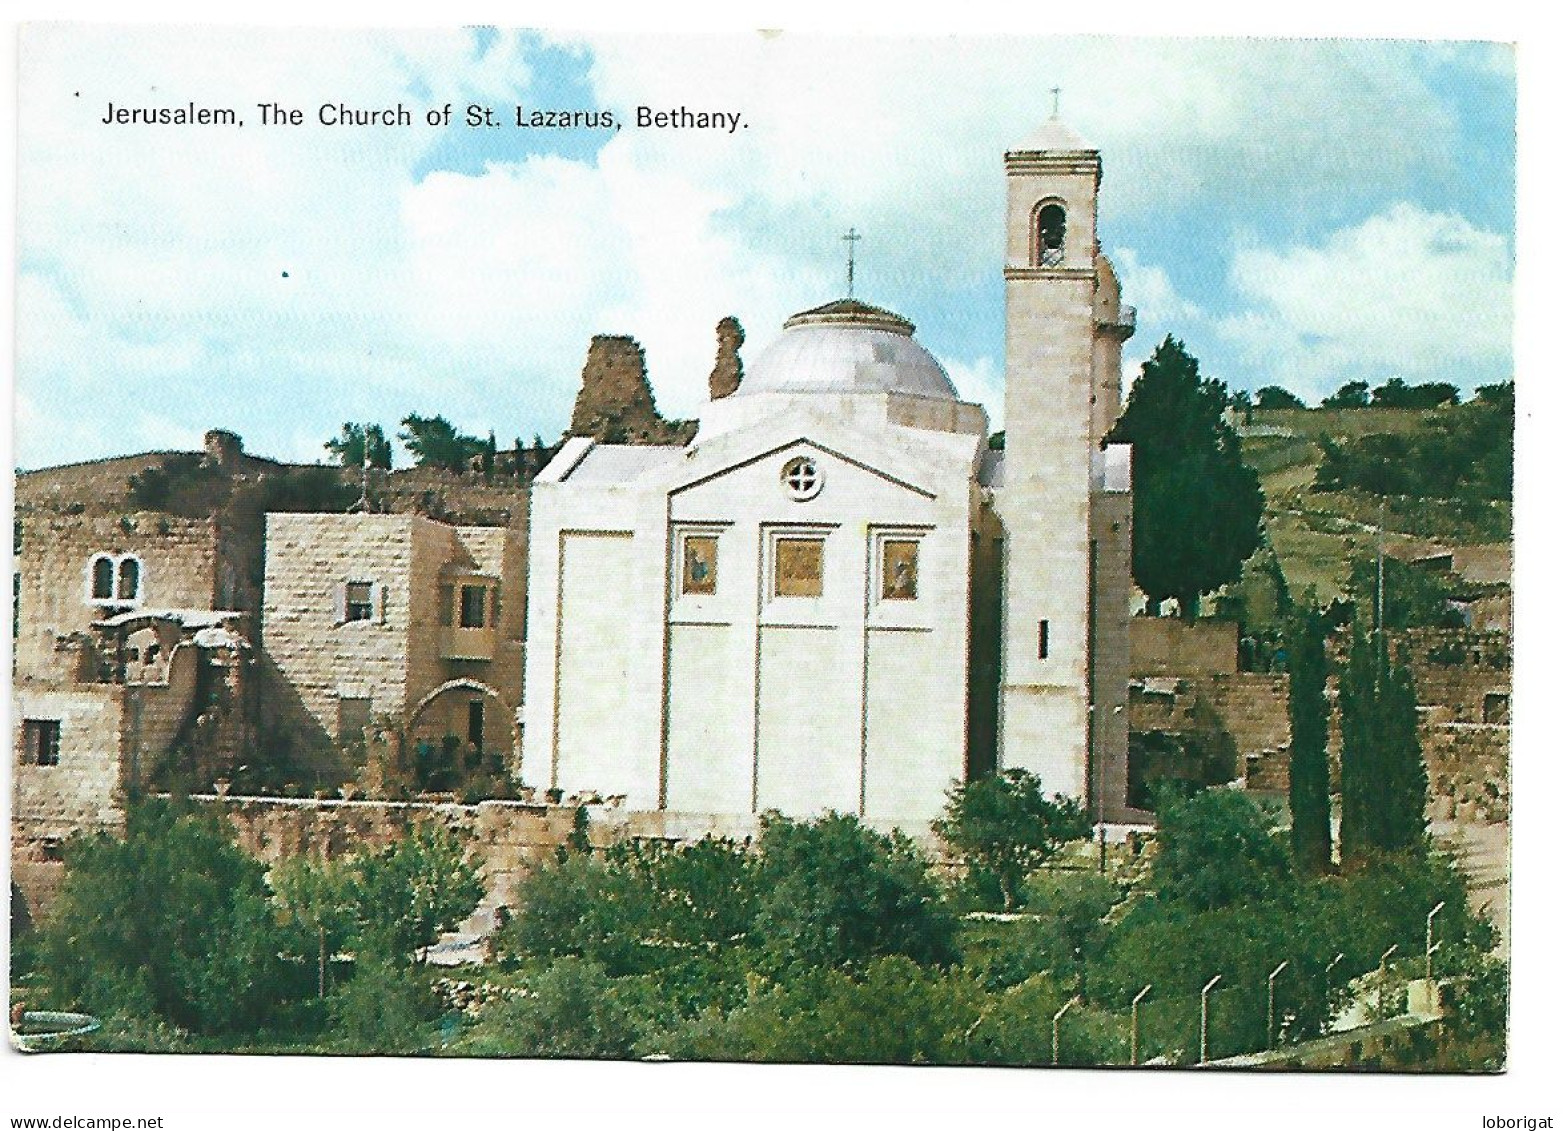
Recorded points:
(1383, 973)
(1204, 1019)
(1428, 971)
(1056, 1018)
(1134, 1025)
(1270, 1005)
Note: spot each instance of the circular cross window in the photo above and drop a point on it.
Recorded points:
(802, 478)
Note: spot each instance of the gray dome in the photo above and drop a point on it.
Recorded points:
(847, 347)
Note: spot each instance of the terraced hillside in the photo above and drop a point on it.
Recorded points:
(1316, 534)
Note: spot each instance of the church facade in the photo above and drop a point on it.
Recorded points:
(839, 595)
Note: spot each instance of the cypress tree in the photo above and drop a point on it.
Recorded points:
(1310, 722)
(1197, 505)
(1404, 825)
(1359, 770)
(1383, 776)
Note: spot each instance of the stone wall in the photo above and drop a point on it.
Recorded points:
(1463, 676)
(82, 790)
(1252, 708)
(1169, 646)
(508, 839)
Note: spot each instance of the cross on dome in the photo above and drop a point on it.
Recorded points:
(851, 239)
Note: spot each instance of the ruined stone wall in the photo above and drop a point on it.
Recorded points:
(728, 373)
(1243, 715)
(1252, 709)
(1456, 671)
(97, 485)
(178, 570)
(1169, 646)
(615, 404)
(465, 499)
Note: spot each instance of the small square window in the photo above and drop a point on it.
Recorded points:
(41, 742)
(474, 602)
(800, 567)
(699, 573)
(1495, 709)
(352, 716)
(51, 850)
(360, 600)
(899, 582)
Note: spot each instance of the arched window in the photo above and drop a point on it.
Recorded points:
(1050, 235)
(102, 578)
(114, 579)
(129, 588)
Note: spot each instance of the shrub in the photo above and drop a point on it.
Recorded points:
(170, 922)
(571, 1009)
(1216, 849)
(383, 1008)
(832, 892)
(892, 1011)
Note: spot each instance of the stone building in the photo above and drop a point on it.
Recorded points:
(131, 656)
(836, 596)
(395, 623)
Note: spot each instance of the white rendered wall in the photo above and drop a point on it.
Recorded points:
(738, 701)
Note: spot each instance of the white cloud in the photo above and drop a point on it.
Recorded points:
(982, 382)
(151, 261)
(1411, 293)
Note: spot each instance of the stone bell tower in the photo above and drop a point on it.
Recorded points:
(1060, 372)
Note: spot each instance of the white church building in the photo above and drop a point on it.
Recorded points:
(837, 596)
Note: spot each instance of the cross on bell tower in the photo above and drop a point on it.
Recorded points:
(851, 239)
(1056, 92)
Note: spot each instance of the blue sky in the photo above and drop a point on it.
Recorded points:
(1299, 212)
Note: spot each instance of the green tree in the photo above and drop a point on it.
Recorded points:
(577, 905)
(1197, 506)
(832, 892)
(355, 441)
(1217, 849)
(1004, 829)
(314, 905)
(1353, 394)
(434, 442)
(1309, 714)
(1395, 393)
(171, 921)
(407, 894)
(1383, 776)
(1274, 397)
